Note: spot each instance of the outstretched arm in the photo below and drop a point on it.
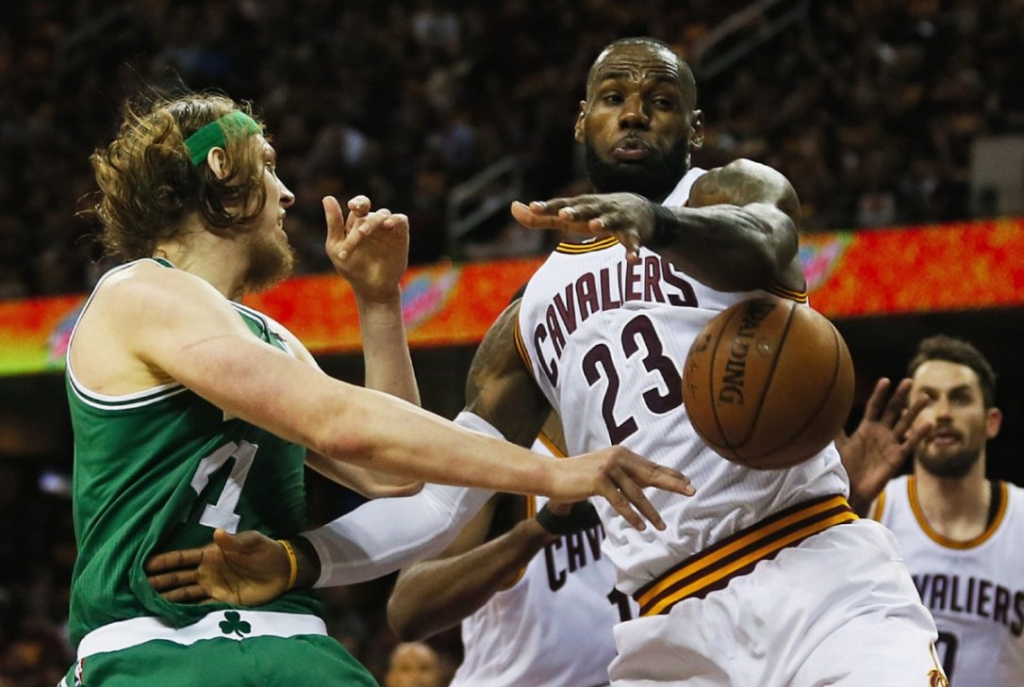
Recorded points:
(375, 539)
(385, 535)
(738, 231)
(180, 325)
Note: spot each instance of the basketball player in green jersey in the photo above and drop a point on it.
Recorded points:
(192, 412)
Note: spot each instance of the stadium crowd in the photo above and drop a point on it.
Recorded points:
(870, 107)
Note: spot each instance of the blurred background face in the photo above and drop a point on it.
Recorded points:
(961, 425)
(413, 665)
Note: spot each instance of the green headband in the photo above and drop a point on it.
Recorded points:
(213, 135)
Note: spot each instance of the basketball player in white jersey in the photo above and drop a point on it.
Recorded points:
(763, 578)
(535, 596)
(959, 533)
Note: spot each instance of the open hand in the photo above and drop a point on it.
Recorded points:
(882, 442)
(618, 475)
(369, 249)
(247, 568)
(626, 216)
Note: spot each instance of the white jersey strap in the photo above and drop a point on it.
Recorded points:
(681, 193)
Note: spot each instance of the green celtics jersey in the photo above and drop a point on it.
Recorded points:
(159, 470)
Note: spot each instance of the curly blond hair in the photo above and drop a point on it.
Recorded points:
(148, 185)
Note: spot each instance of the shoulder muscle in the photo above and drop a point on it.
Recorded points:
(745, 182)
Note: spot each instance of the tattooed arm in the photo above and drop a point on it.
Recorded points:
(738, 231)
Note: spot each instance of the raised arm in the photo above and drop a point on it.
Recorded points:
(375, 247)
(375, 260)
(738, 231)
(882, 442)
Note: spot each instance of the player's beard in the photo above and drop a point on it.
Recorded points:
(948, 464)
(271, 259)
(654, 178)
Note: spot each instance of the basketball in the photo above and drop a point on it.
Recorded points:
(768, 383)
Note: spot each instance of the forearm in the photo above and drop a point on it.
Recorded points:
(385, 348)
(381, 433)
(727, 247)
(435, 595)
(386, 535)
(287, 397)
(373, 484)
(388, 368)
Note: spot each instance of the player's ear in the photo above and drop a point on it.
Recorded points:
(697, 130)
(993, 421)
(217, 158)
(578, 131)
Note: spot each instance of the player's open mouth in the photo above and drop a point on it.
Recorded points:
(944, 438)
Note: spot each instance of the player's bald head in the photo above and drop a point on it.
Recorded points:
(642, 54)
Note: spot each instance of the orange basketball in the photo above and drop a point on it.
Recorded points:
(768, 383)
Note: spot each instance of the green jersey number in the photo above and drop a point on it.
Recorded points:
(222, 514)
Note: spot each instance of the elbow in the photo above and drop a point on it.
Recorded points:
(763, 261)
(410, 488)
(749, 268)
(756, 271)
(382, 490)
(340, 437)
(404, 624)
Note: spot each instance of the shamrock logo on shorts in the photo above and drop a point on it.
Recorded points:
(233, 623)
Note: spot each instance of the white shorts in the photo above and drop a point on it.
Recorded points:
(838, 609)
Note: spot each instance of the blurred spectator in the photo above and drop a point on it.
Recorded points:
(35, 571)
(869, 107)
(414, 664)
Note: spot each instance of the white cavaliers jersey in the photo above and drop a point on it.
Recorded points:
(974, 589)
(553, 627)
(606, 342)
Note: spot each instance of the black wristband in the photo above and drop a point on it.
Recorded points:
(665, 225)
(581, 516)
(309, 562)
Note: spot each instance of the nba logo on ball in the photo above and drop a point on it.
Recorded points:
(768, 383)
